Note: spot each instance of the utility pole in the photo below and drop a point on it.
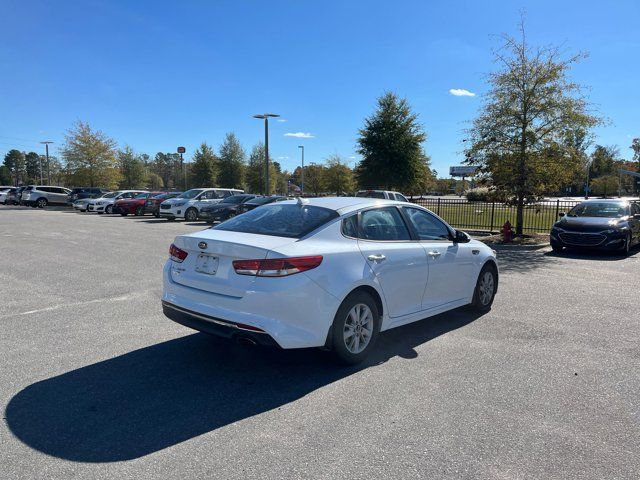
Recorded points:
(46, 146)
(265, 117)
(302, 172)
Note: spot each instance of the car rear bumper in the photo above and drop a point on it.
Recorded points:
(215, 326)
(295, 312)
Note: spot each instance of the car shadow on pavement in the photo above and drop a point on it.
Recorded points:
(158, 396)
(594, 255)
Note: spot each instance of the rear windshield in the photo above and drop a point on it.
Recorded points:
(370, 194)
(261, 200)
(292, 221)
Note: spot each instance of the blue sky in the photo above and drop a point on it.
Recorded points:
(155, 74)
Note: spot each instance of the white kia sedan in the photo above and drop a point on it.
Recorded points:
(325, 272)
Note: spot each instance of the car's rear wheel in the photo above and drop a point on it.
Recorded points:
(108, 209)
(191, 215)
(42, 202)
(124, 214)
(139, 211)
(157, 215)
(355, 328)
(485, 290)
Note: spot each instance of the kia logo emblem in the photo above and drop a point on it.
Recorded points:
(202, 245)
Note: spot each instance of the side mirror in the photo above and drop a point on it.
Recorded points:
(561, 214)
(461, 237)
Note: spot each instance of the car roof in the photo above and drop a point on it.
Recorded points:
(344, 205)
(605, 200)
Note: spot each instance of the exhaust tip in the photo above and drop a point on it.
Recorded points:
(246, 341)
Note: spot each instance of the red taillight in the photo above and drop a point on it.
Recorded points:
(276, 267)
(177, 254)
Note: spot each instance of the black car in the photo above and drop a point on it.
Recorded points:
(258, 201)
(225, 209)
(599, 224)
(86, 192)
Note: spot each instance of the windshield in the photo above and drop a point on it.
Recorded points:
(193, 193)
(292, 221)
(110, 194)
(604, 210)
(142, 195)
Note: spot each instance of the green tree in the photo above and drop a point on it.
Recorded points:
(603, 161)
(391, 146)
(254, 171)
(5, 176)
(90, 157)
(315, 178)
(14, 161)
(132, 169)
(231, 163)
(32, 167)
(338, 176)
(204, 169)
(154, 181)
(519, 137)
(605, 185)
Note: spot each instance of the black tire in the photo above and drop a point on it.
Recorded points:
(482, 298)
(340, 349)
(42, 202)
(556, 248)
(123, 214)
(108, 209)
(626, 248)
(191, 215)
(157, 215)
(139, 211)
(171, 219)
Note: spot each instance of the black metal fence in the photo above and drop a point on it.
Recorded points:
(491, 216)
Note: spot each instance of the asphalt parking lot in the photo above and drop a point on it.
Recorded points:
(96, 383)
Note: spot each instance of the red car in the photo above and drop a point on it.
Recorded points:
(135, 205)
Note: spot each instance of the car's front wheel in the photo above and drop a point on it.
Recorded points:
(355, 328)
(556, 247)
(139, 211)
(626, 248)
(486, 288)
(191, 215)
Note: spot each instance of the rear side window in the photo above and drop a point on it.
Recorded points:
(401, 198)
(383, 224)
(292, 221)
(350, 226)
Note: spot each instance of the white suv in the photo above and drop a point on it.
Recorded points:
(188, 204)
(105, 203)
(42, 195)
(386, 194)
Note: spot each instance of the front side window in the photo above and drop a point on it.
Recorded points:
(426, 225)
(401, 198)
(383, 224)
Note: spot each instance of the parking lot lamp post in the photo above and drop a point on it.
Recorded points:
(183, 169)
(265, 117)
(46, 147)
(302, 172)
(586, 188)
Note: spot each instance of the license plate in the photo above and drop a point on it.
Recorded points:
(207, 264)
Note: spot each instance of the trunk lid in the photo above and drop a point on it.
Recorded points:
(210, 267)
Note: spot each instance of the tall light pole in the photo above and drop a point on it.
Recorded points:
(301, 147)
(265, 117)
(46, 146)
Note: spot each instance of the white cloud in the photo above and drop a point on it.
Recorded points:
(352, 157)
(281, 120)
(461, 92)
(283, 158)
(299, 135)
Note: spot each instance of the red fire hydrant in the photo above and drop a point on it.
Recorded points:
(507, 232)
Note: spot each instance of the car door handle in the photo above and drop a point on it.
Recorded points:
(376, 258)
(434, 254)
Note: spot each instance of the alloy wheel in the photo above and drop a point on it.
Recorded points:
(486, 287)
(358, 328)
